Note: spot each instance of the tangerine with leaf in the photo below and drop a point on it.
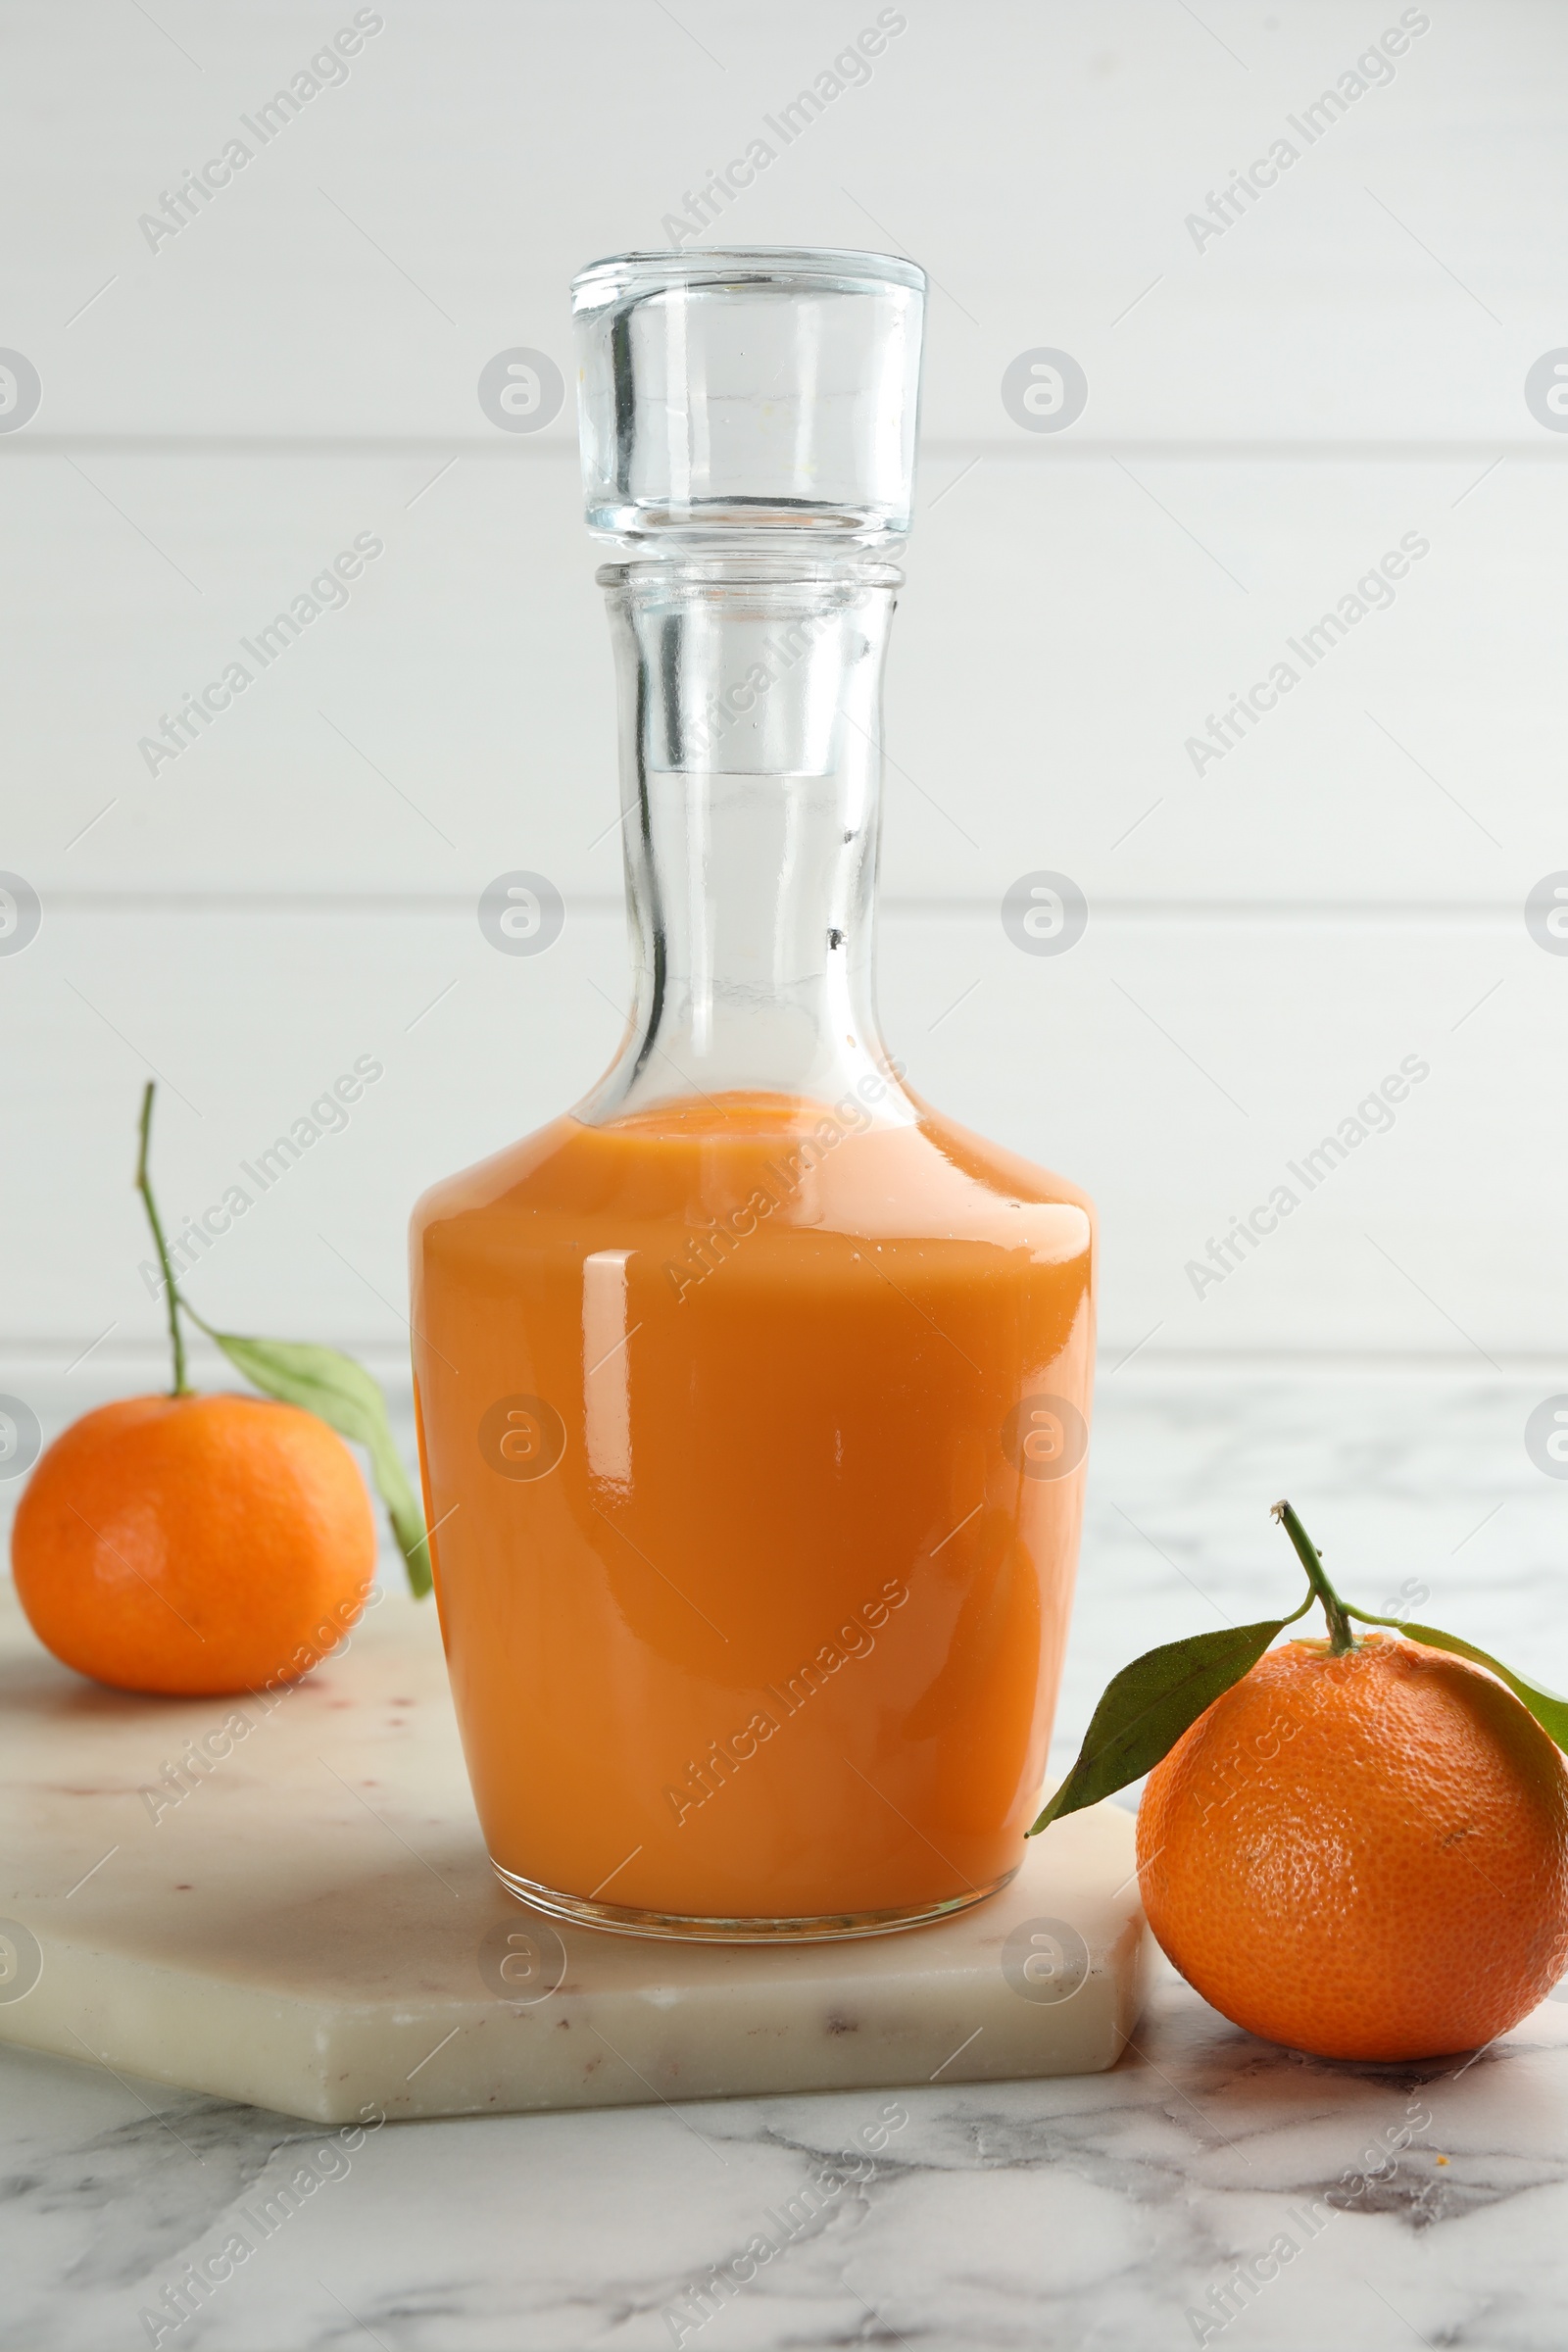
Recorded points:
(212, 1543)
(1356, 1847)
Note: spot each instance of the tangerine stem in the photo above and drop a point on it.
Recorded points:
(1341, 1638)
(144, 1187)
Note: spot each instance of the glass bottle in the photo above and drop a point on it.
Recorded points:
(753, 1394)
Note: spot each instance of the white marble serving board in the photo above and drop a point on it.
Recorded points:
(313, 1926)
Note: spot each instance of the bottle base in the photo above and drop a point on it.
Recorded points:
(700, 1927)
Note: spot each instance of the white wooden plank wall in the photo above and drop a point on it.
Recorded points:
(1269, 414)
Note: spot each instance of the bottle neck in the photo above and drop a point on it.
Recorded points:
(750, 699)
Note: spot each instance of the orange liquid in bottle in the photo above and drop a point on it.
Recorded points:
(753, 1434)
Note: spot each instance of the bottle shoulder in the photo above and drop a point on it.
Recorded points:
(497, 1178)
(997, 1168)
(930, 1179)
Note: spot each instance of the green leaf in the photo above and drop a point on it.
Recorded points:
(1548, 1710)
(1147, 1708)
(342, 1393)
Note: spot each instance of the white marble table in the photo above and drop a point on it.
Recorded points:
(1424, 2203)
